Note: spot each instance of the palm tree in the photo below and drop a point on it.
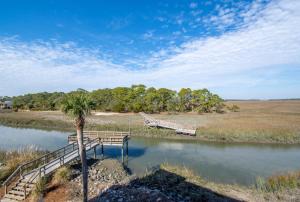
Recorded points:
(78, 106)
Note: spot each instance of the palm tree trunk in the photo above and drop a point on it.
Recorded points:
(82, 154)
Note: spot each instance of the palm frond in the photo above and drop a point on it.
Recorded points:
(77, 104)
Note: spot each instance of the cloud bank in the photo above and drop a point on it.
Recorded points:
(260, 59)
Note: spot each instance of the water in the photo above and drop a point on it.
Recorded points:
(15, 138)
(219, 162)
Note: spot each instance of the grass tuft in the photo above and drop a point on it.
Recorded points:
(40, 188)
(62, 175)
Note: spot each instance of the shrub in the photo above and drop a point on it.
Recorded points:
(62, 175)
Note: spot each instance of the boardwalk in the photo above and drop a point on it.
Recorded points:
(21, 182)
(151, 122)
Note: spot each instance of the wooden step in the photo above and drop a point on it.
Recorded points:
(14, 197)
(22, 184)
(7, 200)
(19, 188)
(19, 193)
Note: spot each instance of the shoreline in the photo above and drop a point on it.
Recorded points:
(164, 183)
(164, 134)
(241, 127)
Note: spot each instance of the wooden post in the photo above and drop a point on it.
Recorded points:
(95, 154)
(5, 188)
(127, 148)
(123, 153)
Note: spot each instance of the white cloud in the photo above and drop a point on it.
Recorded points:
(245, 63)
(148, 34)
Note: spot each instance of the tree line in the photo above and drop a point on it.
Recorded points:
(136, 98)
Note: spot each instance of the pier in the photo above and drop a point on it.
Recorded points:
(180, 129)
(22, 181)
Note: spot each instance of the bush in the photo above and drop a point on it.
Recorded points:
(62, 175)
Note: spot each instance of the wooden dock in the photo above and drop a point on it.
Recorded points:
(21, 182)
(152, 122)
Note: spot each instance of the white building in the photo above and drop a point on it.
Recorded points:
(6, 105)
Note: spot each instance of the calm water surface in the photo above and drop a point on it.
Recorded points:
(220, 162)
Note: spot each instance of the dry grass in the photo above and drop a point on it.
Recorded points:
(257, 121)
(12, 159)
(266, 121)
(280, 182)
(62, 175)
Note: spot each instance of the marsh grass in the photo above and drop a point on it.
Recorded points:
(280, 182)
(12, 159)
(256, 121)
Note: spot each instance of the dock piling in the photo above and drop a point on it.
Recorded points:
(95, 152)
(123, 153)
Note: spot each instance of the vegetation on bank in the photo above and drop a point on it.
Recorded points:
(223, 128)
(256, 121)
(279, 182)
(284, 187)
(136, 98)
(10, 160)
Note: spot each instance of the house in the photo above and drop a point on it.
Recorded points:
(6, 105)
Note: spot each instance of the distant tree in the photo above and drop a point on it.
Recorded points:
(136, 98)
(185, 97)
(78, 106)
(173, 105)
(165, 95)
(152, 101)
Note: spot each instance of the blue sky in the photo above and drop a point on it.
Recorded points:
(238, 49)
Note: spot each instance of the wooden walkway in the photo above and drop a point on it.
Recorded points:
(152, 122)
(21, 182)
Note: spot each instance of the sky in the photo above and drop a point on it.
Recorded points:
(247, 49)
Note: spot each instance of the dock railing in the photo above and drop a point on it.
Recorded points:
(105, 137)
(33, 164)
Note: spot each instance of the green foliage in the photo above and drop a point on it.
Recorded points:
(5, 98)
(77, 104)
(136, 98)
(62, 175)
(38, 101)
